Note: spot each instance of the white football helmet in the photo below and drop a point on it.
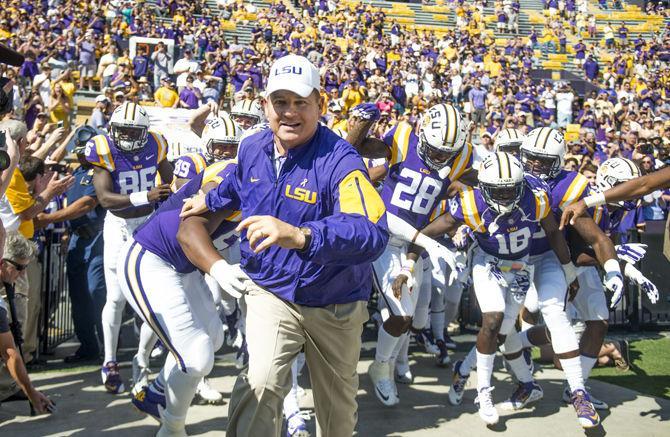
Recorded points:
(129, 127)
(220, 138)
(616, 171)
(542, 152)
(501, 181)
(508, 140)
(442, 135)
(247, 113)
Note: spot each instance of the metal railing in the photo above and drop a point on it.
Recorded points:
(56, 324)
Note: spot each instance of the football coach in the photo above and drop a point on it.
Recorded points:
(312, 225)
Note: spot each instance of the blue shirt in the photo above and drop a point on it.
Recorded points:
(323, 185)
(83, 186)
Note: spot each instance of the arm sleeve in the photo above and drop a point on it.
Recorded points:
(357, 231)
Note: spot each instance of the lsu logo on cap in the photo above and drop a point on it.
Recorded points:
(288, 69)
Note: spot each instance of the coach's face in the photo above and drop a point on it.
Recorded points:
(293, 119)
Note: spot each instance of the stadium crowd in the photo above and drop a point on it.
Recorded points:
(76, 52)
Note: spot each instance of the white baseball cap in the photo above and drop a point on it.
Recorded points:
(293, 73)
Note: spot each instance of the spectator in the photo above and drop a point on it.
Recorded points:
(161, 60)
(166, 96)
(190, 96)
(99, 117)
(13, 374)
(87, 64)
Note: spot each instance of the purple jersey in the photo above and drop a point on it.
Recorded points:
(504, 236)
(131, 172)
(566, 188)
(411, 190)
(189, 165)
(158, 234)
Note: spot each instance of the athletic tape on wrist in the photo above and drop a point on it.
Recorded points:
(139, 199)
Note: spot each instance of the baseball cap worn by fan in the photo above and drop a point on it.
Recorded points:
(293, 73)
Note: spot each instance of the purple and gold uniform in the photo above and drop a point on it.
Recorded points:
(159, 233)
(131, 172)
(566, 188)
(504, 236)
(189, 165)
(411, 190)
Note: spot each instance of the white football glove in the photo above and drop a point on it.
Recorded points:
(613, 281)
(495, 272)
(645, 284)
(441, 257)
(230, 278)
(631, 252)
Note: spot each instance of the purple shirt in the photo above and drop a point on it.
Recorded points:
(189, 97)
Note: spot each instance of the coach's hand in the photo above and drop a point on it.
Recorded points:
(263, 231)
(194, 206)
(571, 212)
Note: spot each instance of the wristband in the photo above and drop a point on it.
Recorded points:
(612, 266)
(596, 199)
(139, 199)
(408, 265)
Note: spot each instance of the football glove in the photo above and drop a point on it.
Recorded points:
(631, 252)
(613, 281)
(645, 284)
(230, 278)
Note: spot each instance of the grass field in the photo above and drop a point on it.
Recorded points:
(649, 372)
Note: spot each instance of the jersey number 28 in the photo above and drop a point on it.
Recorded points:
(424, 190)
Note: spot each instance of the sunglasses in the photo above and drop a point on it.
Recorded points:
(17, 266)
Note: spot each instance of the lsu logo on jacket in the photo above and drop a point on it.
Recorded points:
(300, 194)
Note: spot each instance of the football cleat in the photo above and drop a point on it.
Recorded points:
(403, 374)
(487, 410)
(206, 394)
(111, 377)
(147, 401)
(449, 342)
(586, 413)
(140, 375)
(295, 425)
(381, 381)
(425, 338)
(442, 358)
(524, 394)
(458, 383)
(597, 403)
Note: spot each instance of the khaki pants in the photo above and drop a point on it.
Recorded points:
(30, 284)
(276, 332)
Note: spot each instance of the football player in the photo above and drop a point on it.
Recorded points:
(589, 303)
(508, 140)
(219, 140)
(421, 169)
(542, 153)
(160, 276)
(126, 163)
(503, 214)
(247, 113)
